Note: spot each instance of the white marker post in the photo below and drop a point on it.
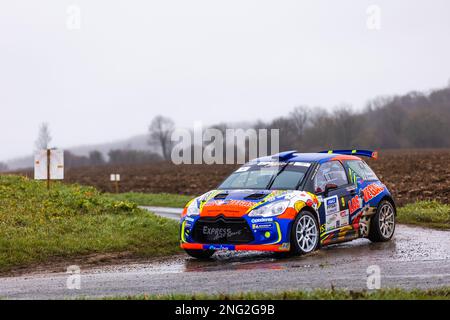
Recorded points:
(115, 177)
(49, 165)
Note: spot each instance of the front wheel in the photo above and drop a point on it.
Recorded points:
(382, 224)
(305, 233)
(199, 254)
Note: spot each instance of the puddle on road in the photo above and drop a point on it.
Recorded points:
(408, 244)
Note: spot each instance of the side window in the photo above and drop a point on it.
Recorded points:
(330, 172)
(355, 170)
(370, 175)
(359, 169)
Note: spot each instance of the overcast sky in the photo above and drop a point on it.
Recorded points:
(208, 60)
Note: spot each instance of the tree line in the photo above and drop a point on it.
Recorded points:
(414, 120)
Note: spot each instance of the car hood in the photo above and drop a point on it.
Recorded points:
(237, 203)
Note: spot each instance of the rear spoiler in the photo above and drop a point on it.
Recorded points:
(363, 153)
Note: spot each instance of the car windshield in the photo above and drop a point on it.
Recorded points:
(267, 175)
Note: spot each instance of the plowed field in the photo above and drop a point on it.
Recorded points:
(410, 174)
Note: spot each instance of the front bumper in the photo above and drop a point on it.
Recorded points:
(237, 247)
(261, 234)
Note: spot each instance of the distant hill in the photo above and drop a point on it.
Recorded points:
(138, 142)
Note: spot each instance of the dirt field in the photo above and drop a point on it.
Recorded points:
(410, 174)
(415, 174)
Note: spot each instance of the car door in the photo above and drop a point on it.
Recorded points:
(332, 186)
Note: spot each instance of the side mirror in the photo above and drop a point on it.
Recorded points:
(329, 187)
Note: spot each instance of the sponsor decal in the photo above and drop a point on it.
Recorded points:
(331, 205)
(301, 164)
(299, 205)
(315, 172)
(354, 204)
(219, 233)
(371, 191)
(218, 247)
(285, 246)
(239, 203)
(262, 226)
(242, 169)
(258, 220)
(189, 219)
(215, 203)
(271, 163)
(337, 220)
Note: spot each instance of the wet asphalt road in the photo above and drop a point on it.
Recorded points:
(415, 258)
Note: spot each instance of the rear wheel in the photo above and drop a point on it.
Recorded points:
(199, 254)
(305, 233)
(382, 224)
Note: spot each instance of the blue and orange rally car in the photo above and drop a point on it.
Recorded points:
(291, 202)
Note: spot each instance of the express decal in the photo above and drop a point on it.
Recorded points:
(240, 203)
(219, 233)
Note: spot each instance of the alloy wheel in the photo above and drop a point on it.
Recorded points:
(306, 233)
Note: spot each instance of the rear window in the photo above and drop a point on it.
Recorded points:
(361, 170)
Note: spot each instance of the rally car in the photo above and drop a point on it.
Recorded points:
(293, 203)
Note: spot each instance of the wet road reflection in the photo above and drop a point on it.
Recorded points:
(415, 258)
(409, 244)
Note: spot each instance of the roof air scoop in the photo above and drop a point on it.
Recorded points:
(283, 156)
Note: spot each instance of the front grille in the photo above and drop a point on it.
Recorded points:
(222, 230)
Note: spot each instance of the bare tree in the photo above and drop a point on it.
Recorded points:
(44, 137)
(160, 130)
(345, 127)
(300, 118)
(96, 158)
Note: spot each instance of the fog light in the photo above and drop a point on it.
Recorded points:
(267, 234)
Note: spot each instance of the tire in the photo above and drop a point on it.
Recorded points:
(382, 224)
(200, 254)
(305, 235)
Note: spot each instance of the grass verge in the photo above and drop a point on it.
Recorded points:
(37, 225)
(383, 294)
(153, 199)
(426, 214)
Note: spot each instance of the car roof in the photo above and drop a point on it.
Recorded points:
(310, 157)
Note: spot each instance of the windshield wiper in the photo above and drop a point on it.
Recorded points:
(272, 180)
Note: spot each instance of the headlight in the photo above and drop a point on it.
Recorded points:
(193, 210)
(270, 210)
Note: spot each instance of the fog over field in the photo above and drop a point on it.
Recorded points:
(99, 71)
